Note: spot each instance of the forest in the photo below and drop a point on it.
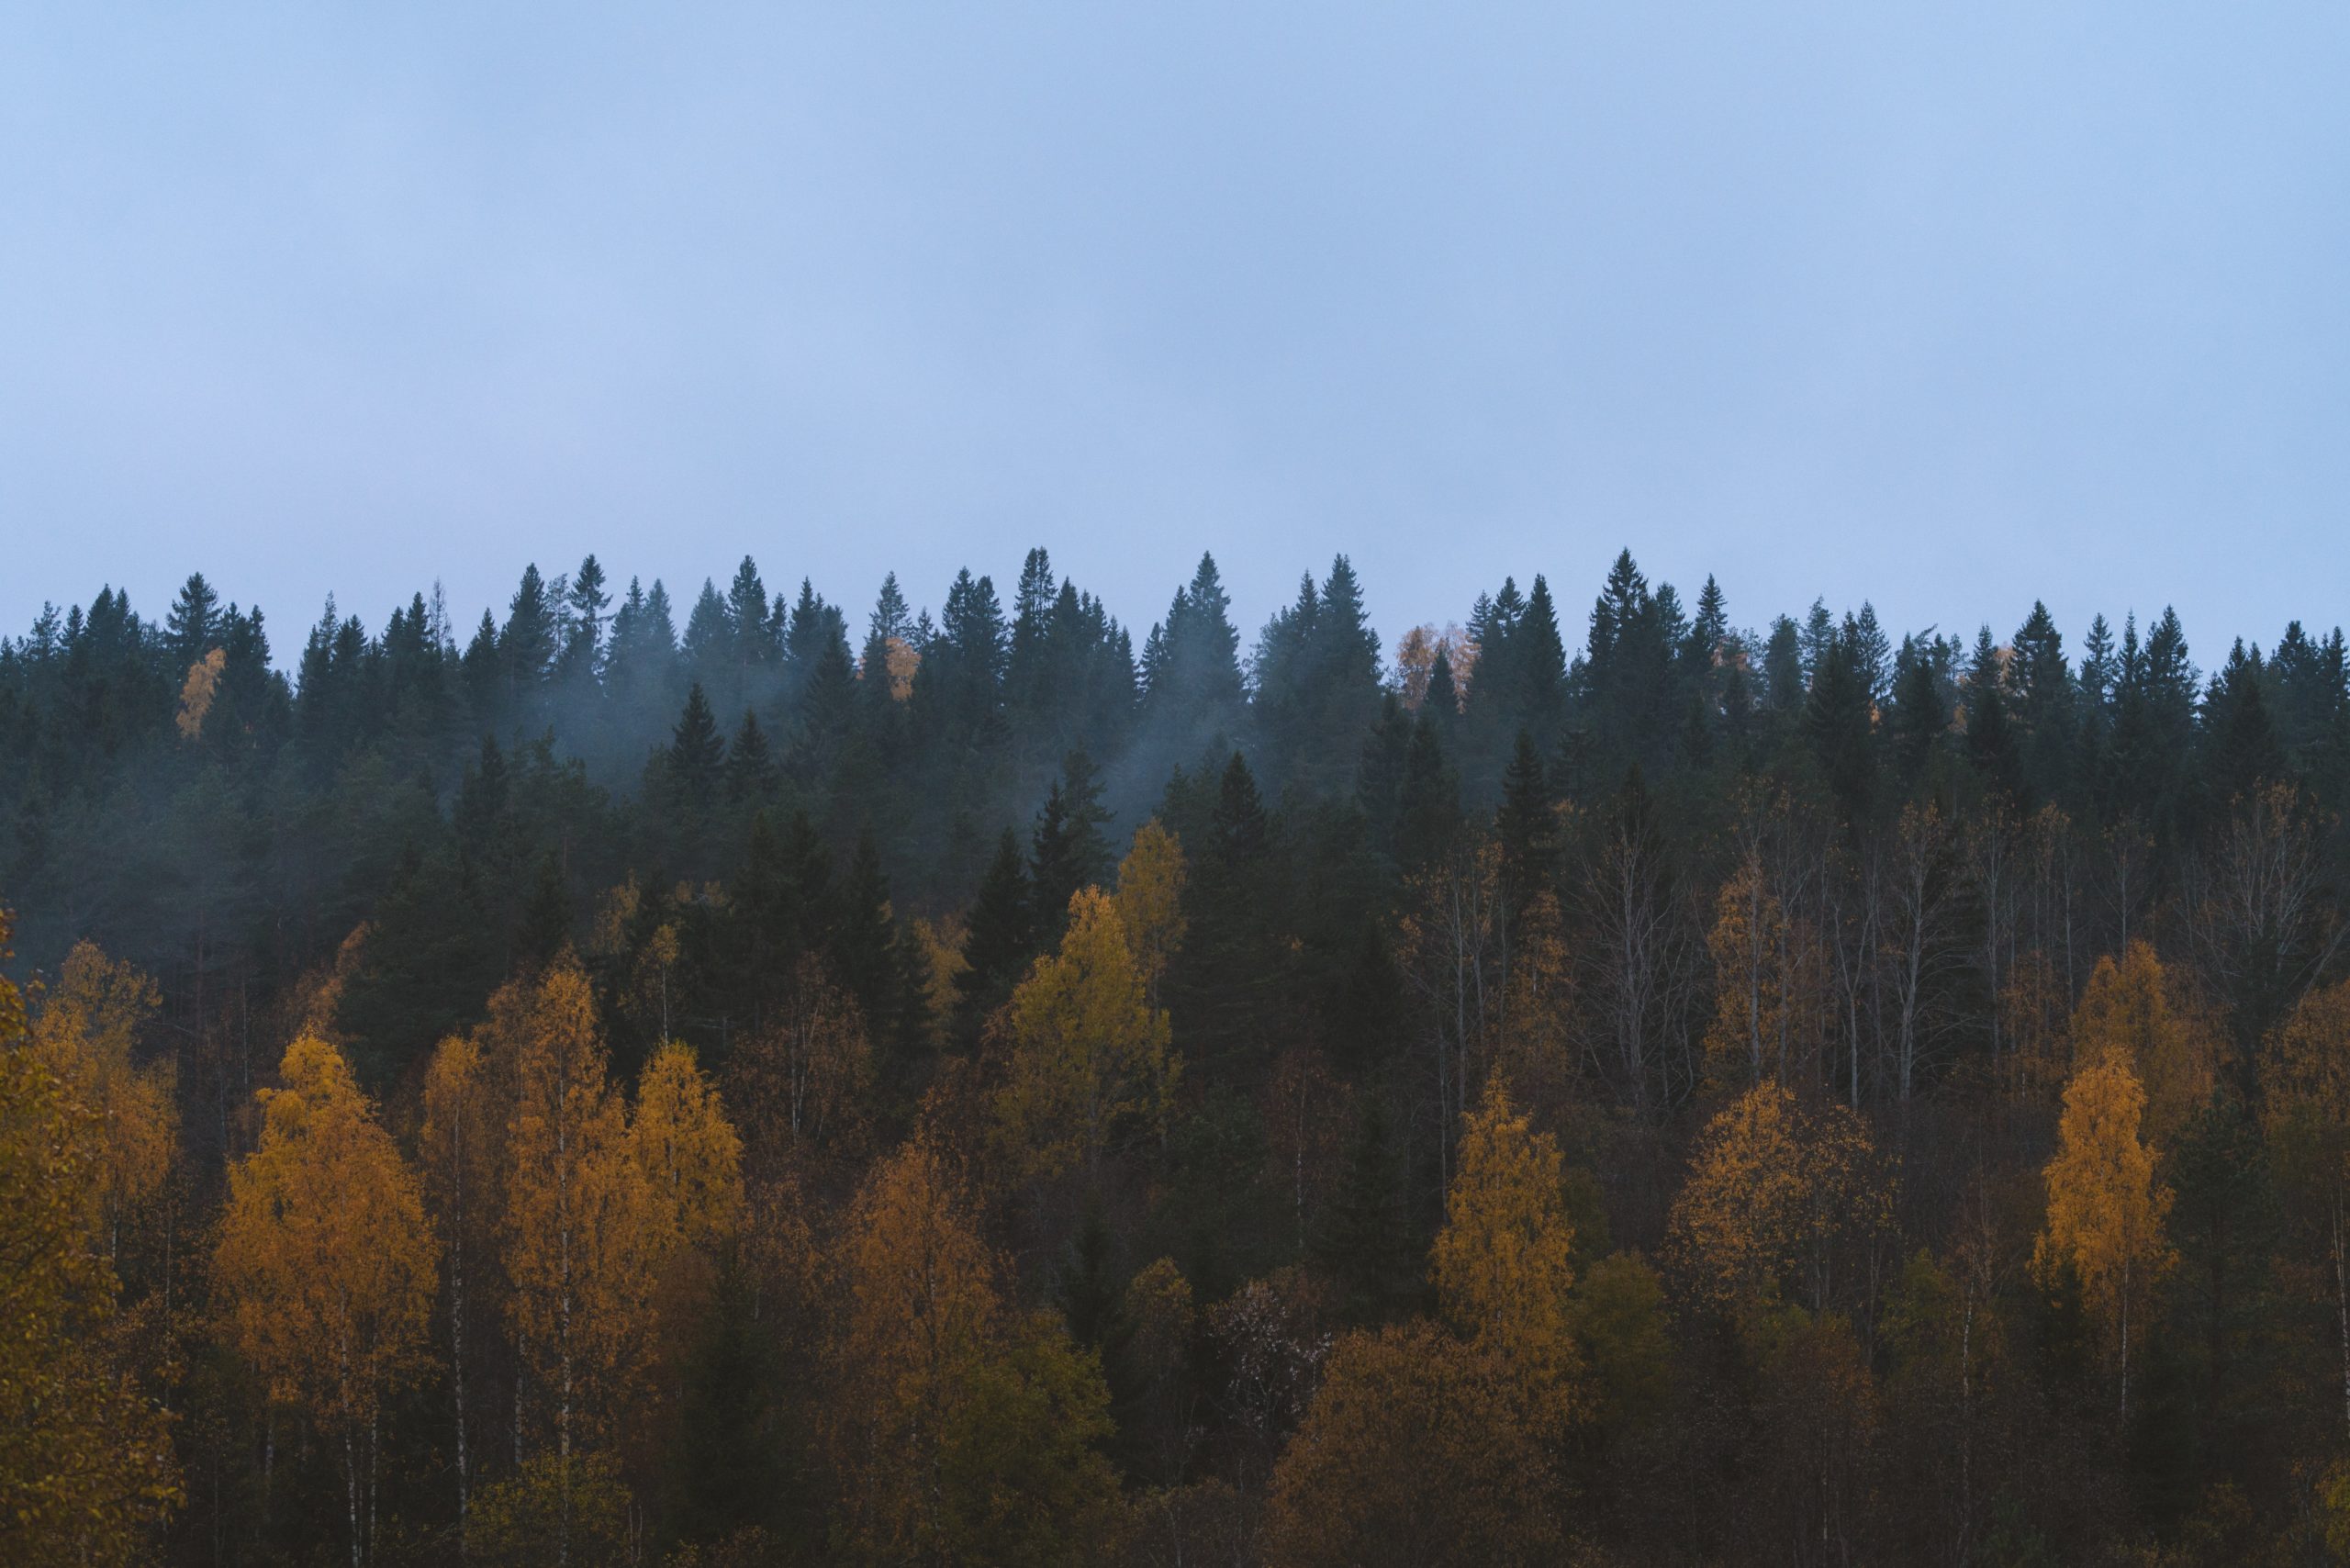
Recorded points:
(744, 1083)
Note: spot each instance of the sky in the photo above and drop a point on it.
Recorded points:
(1943, 308)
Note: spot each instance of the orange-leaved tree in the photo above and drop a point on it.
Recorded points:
(1416, 1451)
(966, 1433)
(2106, 1206)
(460, 1150)
(86, 1031)
(1088, 1050)
(2128, 1007)
(1151, 902)
(326, 1264)
(1785, 1201)
(580, 1236)
(1504, 1261)
(86, 1461)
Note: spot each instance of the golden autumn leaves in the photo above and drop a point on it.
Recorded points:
(86, 1460)
(597, 1217)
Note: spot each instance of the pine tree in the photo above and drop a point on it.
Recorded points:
(999, 940)
(194, 624)
(865, 941)
(1364, 1241)
(696, 753)
(751, 771)
(1527, 824)
(1069, 851)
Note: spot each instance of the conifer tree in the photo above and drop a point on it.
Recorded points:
(999, 941)
(750, 765)
(696, 751)
(1067, 848)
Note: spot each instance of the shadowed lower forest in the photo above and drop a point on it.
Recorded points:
(744, 1083)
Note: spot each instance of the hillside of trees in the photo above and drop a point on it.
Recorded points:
(744, 1083)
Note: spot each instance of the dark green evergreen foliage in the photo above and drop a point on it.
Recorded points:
(1067, 849)
(483, 814)
(1379, 774)
(1317, 669)
(1190, 666)
(2225, 1224)
(429, 962)
(1427, 806)
(825, 710)
(958, 689)
(2241, 748)
(1521, 677)
(193, 627)
(730, 1470)
(750, 769)
(527, 646)
(1442, 704)
(697, 755)
(1366, 1243)
(542, 929)
(1991, 743)
(864, 947)
(1839, 721)
(1783, 671)
(999, 941)
(1363, 1014)
(641, 655)
(2046, 707)
(1224, 984)
(1526, 825)
(1218, 1219)
(766, 918)
(1921, 718)
(891, 625)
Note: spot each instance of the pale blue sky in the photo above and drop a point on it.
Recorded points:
(1942, 306)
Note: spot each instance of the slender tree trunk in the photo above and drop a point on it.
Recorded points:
(2342, 1302)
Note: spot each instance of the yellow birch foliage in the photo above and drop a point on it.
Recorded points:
(1503, 1261)
(459, 1151)
(688, 1149)
(87, 1027)
(2106, 1208)
(324, 1261)
(1780, 1195)
(922, 1304)
(692, 1164)
(1087, 1047)
(1151, 902)
(966, 1434)
(2127, 1007)
(86, 1461)
(580, 1235)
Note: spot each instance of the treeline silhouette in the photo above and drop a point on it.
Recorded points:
(767, 1085)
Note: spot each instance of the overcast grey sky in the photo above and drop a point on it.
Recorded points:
(1946, 306)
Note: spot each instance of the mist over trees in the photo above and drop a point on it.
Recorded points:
(736, 1078)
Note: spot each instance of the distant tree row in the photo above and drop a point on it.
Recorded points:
(976, 1092)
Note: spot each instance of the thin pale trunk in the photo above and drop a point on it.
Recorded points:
(2125, 1344)
(2342, 1302)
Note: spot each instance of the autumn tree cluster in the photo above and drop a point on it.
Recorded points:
(698, 1084)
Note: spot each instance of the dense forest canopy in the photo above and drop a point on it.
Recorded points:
(739, 1081)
